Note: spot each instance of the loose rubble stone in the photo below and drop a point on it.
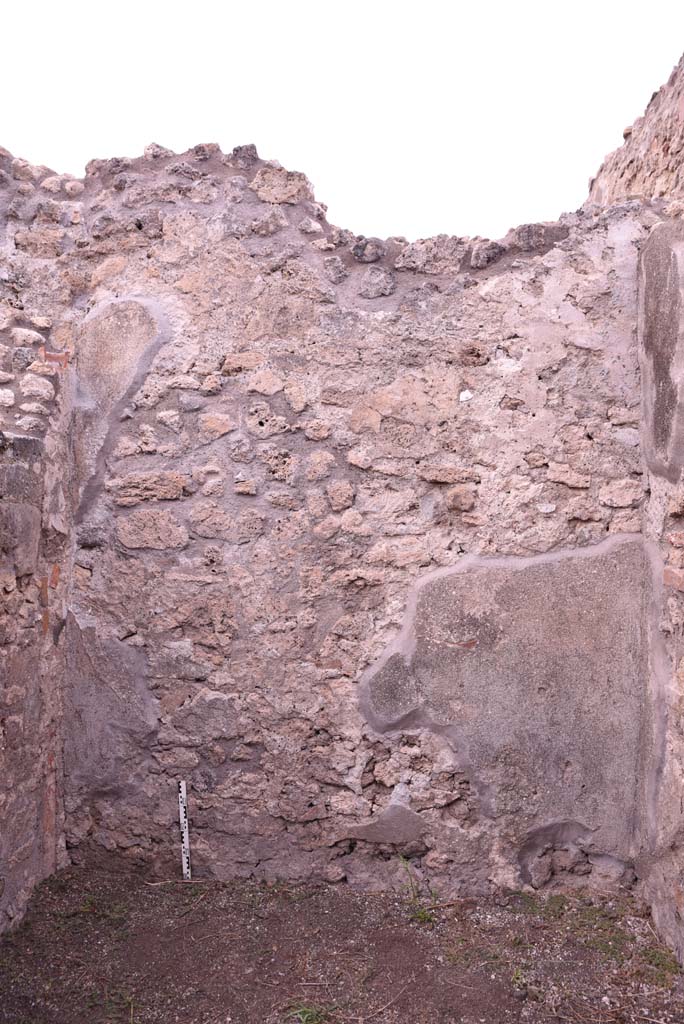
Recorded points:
(485, 253)
(133, 488)
(377, 282)
(368, 250)
(335, 269)
(309, 226)
(272, 222)
(239, 362)
(621, 493)
(215, 424)
(22, 336)
(37, 387)
(265, 382)
(461, 498)
(276, 185)
(151, 529)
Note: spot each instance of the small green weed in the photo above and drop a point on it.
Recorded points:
(303, 1013)
(117, 1006)
(421, 915)
(526, 903)
(661, 958)
(552, 907)
(518, 978)
(603, 934)
(417, 913)
(413, 884)
(116, 913)
(663, 963)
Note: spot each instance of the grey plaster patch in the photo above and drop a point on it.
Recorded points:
(110, 714)
(661, 348)
(535, 669)
(21, 496)
(395, 824)
(117, 344)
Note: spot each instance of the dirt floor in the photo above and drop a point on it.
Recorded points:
(106, 945)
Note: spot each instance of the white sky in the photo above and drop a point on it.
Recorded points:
(410, 117)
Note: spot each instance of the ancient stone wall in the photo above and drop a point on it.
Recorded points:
(32, 549)
(360, 538)
(651, 161)
(35, 532)
(661, 292)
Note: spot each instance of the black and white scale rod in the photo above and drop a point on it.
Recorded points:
(184, 830)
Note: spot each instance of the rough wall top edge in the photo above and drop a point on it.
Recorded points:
(650, 161)
(474, 252)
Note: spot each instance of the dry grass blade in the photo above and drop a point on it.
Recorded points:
(380, 1009)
